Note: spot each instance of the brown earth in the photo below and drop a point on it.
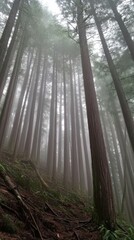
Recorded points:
(48, 214)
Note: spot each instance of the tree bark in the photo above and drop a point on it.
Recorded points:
(103, 195)
(13, 135)
(66, 175)
(8, 28)
(126, 34)
(9, 55)
(74, 147)
(4, 118)
(50, 153)
(29, 138)
(120, 92)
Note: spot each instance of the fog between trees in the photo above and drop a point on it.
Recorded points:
(67, 97)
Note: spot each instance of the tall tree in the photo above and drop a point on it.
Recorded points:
(120, 92)
(66, 177)
(6, 110)
(51, 141)
(123, 28)
(103, 196)
(8, 29)
(29, 138)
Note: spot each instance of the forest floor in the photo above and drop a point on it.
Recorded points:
(43, 214)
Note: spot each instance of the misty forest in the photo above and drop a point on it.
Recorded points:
(67, 120)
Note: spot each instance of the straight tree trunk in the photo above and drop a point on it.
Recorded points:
(42, 109)
(20, 134)
(50, 152)
(4, 118)
(66, 174)
(60, 135)
(38, 119)
(122, 99)
(9, 55)
(74, 147)
(29, 138)
(8, 29)
(112, 162)
(54, 170)
(125, 176)
(81, 158)
(19, 106)
(126, 34)
(27, 108)
(86, 153)
(103, 195)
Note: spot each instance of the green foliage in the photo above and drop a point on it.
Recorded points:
(123, 233)
(2, 169)
(24, 176)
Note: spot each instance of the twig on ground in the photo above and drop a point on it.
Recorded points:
(9, 209)
(76, 235)
(15, 191)
(50, 208)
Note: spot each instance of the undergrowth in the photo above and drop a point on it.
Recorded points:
(123, 232)
(24, 176)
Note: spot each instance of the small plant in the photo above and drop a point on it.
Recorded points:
(2, 169)
(121, 234)
(107, 234)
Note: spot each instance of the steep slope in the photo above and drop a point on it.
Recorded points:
(27, 211)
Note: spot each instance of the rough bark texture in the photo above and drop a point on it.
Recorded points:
(103, 196)
(8, 28)
(123, 28)
(120, 92)
(6, 111)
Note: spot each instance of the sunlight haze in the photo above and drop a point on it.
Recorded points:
(51, 5)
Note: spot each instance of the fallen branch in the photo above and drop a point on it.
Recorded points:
(86, 221)
(50, 208)
(76, 235)
(9, 209)
(14, 190)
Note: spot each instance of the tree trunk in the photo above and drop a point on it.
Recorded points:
(66, 175)
(4, 118)
(123, 28)
(13, 135)
(122, 99)
(9, 55)
(60, 142)
(39, 114)
(8, 29)
(113, 158)
(29, 139)
(103, 195)
(50, 153)
(74, 147)
(81, 159)
(86, 153)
